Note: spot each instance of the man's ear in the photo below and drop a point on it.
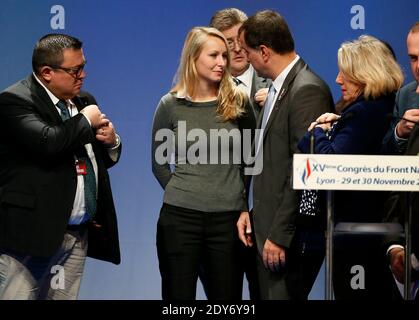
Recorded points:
(46, 73)
(265, 52)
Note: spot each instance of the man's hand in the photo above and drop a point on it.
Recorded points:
(244, 229)
(397, 263)
(106, 134)
(404, 128)
(94, 115)
(273, 256)
(260, 96)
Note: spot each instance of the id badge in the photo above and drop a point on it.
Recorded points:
(81, 167)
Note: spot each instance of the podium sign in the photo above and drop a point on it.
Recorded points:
(355, 172)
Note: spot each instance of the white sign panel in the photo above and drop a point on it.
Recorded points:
(355, 172)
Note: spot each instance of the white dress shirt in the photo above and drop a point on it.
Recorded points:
(246, 79)
(78, 213)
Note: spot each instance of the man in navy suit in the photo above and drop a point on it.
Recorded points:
(56, 203)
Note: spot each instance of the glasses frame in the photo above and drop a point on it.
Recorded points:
(232, 42)
(74, 72)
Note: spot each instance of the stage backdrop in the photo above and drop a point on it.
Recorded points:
(132, 50)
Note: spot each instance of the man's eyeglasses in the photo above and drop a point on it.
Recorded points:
(74, 72)
(232, 42)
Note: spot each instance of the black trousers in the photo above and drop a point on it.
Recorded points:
(188, 240)
(249, 269)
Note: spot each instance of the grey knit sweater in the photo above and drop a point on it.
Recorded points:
(209, 185)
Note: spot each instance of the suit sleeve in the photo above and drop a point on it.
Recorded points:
(84, 99)
(390, 144)
(25, 129)
(307, 103)
(395, 209)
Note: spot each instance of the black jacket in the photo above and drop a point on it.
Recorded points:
(38, 178)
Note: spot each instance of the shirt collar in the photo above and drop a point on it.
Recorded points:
(247, 76)
(279, 81)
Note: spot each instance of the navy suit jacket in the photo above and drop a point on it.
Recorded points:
(38, 178)
(360, 131)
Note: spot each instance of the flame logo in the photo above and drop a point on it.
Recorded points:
(306, 172)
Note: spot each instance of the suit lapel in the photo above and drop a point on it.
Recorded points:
(47, 107)
(284, 91)
(78, 102)
(257, 83)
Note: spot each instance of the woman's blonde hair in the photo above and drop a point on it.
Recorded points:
(230, 99)
(370, 63)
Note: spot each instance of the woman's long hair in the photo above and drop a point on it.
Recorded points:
(230, 99)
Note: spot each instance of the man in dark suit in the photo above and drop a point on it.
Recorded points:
(56, 203)
(229, 21)
(295, 98)
(397, 207)
(407, 101)
(404, 138)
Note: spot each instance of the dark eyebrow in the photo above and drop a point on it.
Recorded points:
(77, 66)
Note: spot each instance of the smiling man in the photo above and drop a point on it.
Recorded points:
(55, 195)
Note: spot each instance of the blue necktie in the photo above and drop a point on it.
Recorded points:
(268, 106)
(89, 178)
(266, 111)
(65, 114)
(89, 188)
